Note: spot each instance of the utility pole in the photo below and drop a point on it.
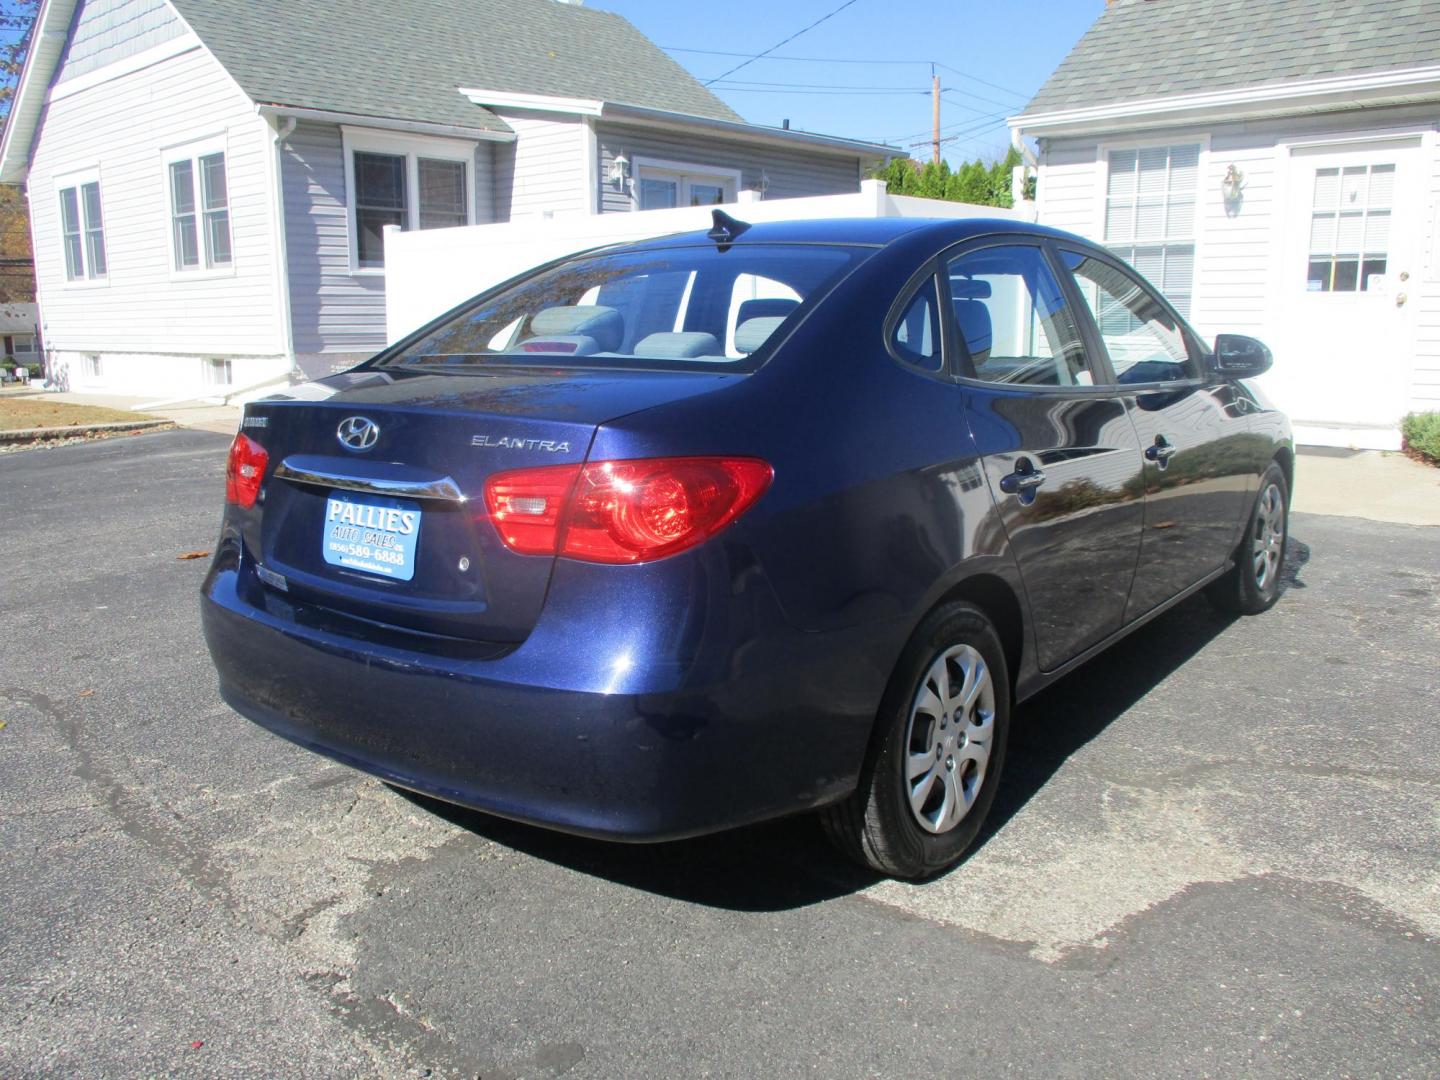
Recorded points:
(935, 135)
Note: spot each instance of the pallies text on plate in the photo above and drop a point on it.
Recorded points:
(374, 517)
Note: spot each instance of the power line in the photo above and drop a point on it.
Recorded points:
(976, 97)
(996, 117)
(820, 86)
(982, 82)
(792, 37)
(849, 60)
(823, 93)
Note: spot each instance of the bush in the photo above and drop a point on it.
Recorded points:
(1422, 434)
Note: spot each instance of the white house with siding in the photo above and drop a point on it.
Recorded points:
(210, 180)
(1275, 168)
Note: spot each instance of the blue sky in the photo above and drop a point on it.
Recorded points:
(995, 55)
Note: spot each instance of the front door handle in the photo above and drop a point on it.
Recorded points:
(1160, 452)
(1023, 481)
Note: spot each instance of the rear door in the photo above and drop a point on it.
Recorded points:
(1061, 456)
(1199, 458)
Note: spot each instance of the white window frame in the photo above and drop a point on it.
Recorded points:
(193, 152)
(685, 172)
(412, 148)
(1202, 197)
(214, 366)
(78, 180)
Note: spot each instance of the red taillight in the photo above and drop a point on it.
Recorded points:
(244, 471)
(526, 506)
(622, 511)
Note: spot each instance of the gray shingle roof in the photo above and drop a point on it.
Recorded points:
(1141, 49)
(405, 60)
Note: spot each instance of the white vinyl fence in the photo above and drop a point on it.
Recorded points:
(428, 272)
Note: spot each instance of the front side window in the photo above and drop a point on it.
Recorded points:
(200, 212)
(1150, 204)
(1349, 227)
(82, 231)
(1012, 318)
(652, 309)
(408, 188)
(1145, 342)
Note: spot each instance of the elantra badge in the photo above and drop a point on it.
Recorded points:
(357, 433)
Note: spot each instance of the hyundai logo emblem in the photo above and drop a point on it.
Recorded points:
(357, 432)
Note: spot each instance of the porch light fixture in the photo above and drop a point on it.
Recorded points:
(1233, 184)
(620, 169)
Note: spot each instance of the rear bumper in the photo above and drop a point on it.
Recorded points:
(499, 735)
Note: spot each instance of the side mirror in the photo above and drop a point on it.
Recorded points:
(1240, 357)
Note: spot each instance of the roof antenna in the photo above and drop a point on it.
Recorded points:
(725, 230)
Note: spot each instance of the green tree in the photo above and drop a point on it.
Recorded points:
(973, 182)
(17, 18)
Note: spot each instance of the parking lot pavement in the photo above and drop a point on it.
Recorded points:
(1215, 853)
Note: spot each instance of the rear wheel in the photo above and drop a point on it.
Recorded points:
(1252, 585)
(939, 745)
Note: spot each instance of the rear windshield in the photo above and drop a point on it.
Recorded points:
(677, 307)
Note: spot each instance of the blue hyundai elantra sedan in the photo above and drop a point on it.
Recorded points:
(665, 538)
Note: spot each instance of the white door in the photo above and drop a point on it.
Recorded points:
(1346, 341)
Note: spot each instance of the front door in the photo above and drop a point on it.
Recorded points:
(1201, 461)
(1346, 346)
(1064, 461)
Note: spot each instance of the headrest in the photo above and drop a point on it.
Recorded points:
(969, 289)
(765, 309)
(752, 333)
(678, 346)
(973, 318)
(604, 324)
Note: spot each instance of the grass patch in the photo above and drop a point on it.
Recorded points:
(1422, 435)
(35, 412)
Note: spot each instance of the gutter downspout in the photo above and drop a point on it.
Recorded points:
(283, 130)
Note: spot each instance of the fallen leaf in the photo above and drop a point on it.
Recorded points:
(193, 555)
(197, 1044)
(86, 693)
(2, 724)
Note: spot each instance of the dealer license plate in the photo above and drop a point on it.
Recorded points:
(374, 535)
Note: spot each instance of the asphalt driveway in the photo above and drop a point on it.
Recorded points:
(1217, 852)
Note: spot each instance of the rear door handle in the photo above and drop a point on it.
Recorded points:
(1160, 452)
(1023, 481)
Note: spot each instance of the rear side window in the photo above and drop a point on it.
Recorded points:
(1013, 320)
(679, 306)
(1145, 342)
(916, 337)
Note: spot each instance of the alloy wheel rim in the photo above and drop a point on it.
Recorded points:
(1269, 535)
(948, 739)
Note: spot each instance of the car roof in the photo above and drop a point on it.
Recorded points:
(879, 232)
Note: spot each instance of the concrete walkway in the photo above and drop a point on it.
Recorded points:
(1371, 484)
(203, 415)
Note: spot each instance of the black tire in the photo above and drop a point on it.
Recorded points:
(877, 826)
(1252, 585)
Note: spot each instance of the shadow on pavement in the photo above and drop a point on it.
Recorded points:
(788, 864)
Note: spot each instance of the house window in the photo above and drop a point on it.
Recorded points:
(22, 344)
(82, 230)
(664, 185)
(219, 372)
(200, 211)
(1150, 215)
(1349, 227)
(91, 366)
(409, 181)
